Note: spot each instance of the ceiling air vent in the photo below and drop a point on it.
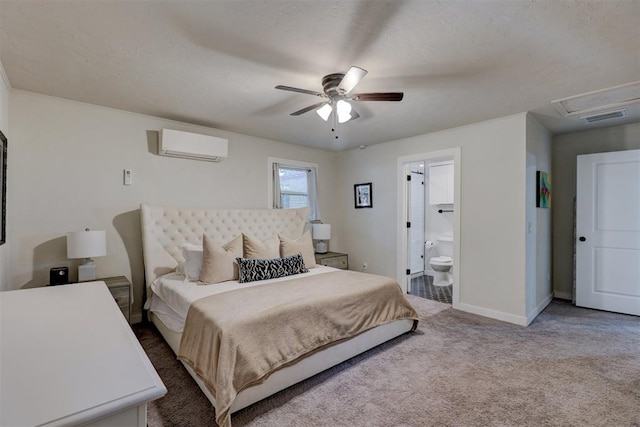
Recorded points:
(592, 118)
(596, 102)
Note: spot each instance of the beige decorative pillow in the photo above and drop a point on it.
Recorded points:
(256, 249)
(219, 262)
(303, 245)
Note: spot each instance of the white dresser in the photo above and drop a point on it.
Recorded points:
(69, 357)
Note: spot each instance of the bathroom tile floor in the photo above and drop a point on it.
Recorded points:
(422, 286)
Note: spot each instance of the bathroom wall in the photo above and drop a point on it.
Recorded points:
(427, 224)
(438, 224)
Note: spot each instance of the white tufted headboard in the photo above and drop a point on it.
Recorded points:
(165, 229)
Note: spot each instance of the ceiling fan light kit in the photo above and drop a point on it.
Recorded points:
(337, 88)
(343, 108)
(324, 112)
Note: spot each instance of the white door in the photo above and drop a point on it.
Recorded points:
(608, 231)
(416, 218)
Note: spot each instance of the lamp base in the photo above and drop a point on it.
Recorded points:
(322, 247)
(87, 271)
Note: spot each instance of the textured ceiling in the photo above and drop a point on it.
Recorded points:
(216, 63)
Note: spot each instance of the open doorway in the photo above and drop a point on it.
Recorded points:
(430, 209)
(429, 233)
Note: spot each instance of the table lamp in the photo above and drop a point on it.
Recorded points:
(86, 244)
(321, 232)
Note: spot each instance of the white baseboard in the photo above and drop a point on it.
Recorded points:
(506, 317)
(563, 295)
(539, 309)
(493, 314)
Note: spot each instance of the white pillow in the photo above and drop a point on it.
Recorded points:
(192, 260)
(257, 249)
(303, 245)
(219, 262)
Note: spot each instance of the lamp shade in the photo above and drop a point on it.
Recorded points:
(86, 244)
(344, 111)
(324, 112)
(321, 231)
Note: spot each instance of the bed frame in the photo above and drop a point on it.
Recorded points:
(164, 229)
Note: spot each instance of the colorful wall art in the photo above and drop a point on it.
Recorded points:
(543, 189)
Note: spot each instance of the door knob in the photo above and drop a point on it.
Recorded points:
(582, 239)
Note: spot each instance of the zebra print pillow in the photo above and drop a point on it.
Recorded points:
(251, 270)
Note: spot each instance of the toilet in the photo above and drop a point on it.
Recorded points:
(443, 263)
(441, 266)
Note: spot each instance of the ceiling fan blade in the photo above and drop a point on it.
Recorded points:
(351, 79)
(309, 108)
(382, 96)
(295, 89)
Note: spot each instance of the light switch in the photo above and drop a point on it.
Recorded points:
(128, 177)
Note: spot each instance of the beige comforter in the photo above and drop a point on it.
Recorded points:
(236, 339)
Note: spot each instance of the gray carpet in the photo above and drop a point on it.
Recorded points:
(570, 367)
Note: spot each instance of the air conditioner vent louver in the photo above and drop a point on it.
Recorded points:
(194, 146)
(604, 116)
(594, 103)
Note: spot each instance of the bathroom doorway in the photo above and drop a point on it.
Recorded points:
(428, 246)
(430, 209)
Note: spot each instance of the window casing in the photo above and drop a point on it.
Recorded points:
(294, 185)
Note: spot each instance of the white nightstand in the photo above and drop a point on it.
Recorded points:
(333, 259)
(120, 289)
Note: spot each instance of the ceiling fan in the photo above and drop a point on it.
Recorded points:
(337, 91)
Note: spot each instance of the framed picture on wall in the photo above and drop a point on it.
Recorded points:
(363, 195)
(3, 188)
(544, 190)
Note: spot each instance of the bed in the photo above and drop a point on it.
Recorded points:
(184, 311)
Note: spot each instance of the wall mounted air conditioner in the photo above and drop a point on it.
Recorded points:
(189, 145)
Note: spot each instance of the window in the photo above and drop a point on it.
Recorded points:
(294, 189)
(294, 186)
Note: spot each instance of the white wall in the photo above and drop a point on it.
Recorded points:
(538, 232)
(67, 161)
(4, 127)
(565, 150)
(492, 210)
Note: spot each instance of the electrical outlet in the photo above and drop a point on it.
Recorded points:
(365, 266)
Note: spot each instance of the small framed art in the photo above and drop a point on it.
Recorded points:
(363, 195)
(543, 199)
